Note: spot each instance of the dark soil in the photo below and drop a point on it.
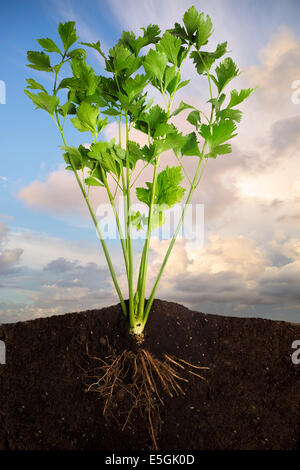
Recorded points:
(251, 399)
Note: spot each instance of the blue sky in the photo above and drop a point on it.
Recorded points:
(30, 143)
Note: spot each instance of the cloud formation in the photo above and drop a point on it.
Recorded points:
(250, 262)
(9, 259)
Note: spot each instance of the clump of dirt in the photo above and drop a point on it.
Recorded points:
(249, 400)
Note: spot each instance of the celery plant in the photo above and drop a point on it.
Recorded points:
(92, 101)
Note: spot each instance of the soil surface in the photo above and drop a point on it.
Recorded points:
(251, 399)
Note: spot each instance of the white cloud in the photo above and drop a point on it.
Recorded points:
(39, 249)
(60, 195)
(233, 276)
(9, 258)
(56, 276)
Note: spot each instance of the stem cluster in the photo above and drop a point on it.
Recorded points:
(122, 96)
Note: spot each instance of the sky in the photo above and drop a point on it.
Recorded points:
(249, 263)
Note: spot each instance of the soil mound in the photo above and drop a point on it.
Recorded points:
(251, 399)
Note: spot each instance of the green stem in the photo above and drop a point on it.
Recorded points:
(139, 173)
(194, 185)
(183, 169)
(128, 233)
(141, 285)
(167, 255)
(112, 202)
(142, 267)
(145, 255)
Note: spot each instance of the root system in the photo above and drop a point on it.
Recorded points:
(142, 382)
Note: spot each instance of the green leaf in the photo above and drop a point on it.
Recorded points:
(170, 46)
(150, 36)
(111, 112)
(138, 220)
(172, 141)
(218, 134)
(79, 125)
(67, 32)
(99, 148)
(204, 60)
(33, 85)
(134, 86)
(129, 40)
(44, 101)
(86, 119)
(94, 45)
(143, 195)
(204, 30)
(96, 173)
(73, 155)
(190, 146)
(237, 97)
(170, 79)
(164, 129)
(101, 124)
(77, 54)
(121, 153)
(219, 150)
(135, 153)
(155, 64)
(48, 45)
(90, 181)
(226, 71)
(120, 57)
(198, 28)
(172, 85)
(168, 192)
(105, 153)
(149, 121)
(217, 102)
(84, 83)
(67, 108)
(179, 32)
(39, 61)
(233, 114)
(66, 83)
(149, 152)
(191, 21)
(182, 106)
(194, 118)
(122, 61)
(182, 84)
